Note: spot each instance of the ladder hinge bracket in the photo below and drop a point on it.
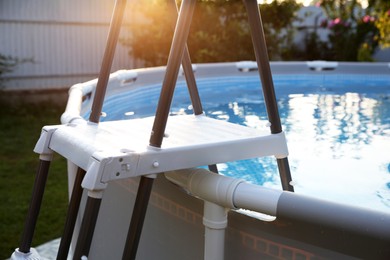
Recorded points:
(42, 146)
(104, 168)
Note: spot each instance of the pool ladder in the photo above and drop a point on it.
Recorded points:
(99, 152)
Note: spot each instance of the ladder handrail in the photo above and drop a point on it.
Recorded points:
(172, 71)
(264, 68)
(93, 204)
(175, 58)
(108, 58)
(187, 67)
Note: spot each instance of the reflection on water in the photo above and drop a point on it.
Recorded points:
(339, 145)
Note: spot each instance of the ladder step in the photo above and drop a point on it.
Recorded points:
(189, 141)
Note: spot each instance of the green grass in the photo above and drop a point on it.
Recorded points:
(20, 127)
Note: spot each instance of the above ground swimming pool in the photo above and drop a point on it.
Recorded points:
(337, 124)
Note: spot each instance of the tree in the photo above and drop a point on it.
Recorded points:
(151, 33)
(219, 31)
(278, 18)
(382, 9)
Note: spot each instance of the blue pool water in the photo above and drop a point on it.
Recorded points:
(337, 128)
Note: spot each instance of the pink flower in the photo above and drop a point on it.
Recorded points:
(337, 21)
(318, 4)
(334, 22)
(367, 19)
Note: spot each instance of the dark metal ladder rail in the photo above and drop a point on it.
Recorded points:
(93, 204)
(263, 65)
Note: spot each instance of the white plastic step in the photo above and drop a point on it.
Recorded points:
(122, 147)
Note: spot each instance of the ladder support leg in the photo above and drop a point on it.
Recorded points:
(191, 83)
(285, 178)
(174, 60)
(87, 227)
(71, 217)
(93, 204)
(138, 217)
(262, 59)
(213, 168)
(163, 107)
(35, 205)
(187, 68)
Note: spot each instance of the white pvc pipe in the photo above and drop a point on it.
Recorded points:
(206, 185)
(221, 193)
(73, 106)
(284, 205)
(78, 91)
(256, 198)
(215, 222)
(225, 191)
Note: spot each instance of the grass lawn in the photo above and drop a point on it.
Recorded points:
(20, 128)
